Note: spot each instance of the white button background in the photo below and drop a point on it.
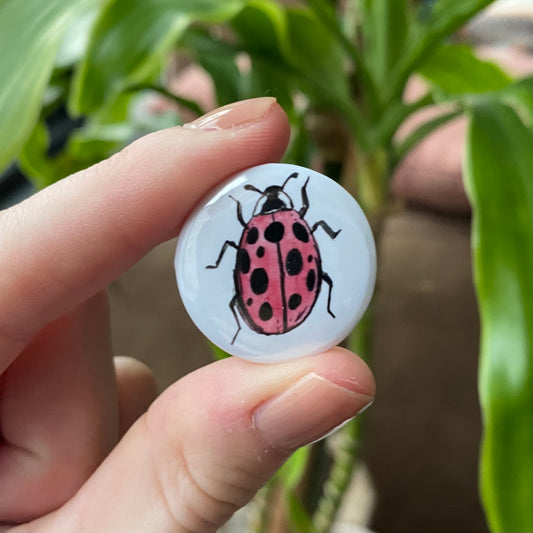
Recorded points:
(349, 259)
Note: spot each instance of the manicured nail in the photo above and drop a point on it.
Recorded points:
(234, 115)
(307, 411)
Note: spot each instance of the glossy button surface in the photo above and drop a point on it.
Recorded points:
(277, 262)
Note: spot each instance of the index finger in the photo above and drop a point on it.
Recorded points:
(64, 244)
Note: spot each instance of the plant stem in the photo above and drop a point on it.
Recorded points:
(372, 182)
(345, 454)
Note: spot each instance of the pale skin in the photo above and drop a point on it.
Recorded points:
(86, 444)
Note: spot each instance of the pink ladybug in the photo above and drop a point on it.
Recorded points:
(278, 272)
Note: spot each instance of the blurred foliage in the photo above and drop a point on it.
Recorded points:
(501, 191)
(339, 72)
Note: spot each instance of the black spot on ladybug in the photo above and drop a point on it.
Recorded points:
(260, 252)
(309, 258)
(265, 312)
(244, 261)
(310, 280)
(259, 281)
(294, 301)
(300, 232)
(249, 301)
(274, 232)
(252, 236)
(294, 262)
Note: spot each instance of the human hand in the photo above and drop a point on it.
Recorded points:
(68, 461)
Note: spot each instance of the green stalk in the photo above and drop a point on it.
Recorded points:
(372, 183)
(345, 455)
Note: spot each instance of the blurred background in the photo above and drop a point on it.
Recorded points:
(417, 455)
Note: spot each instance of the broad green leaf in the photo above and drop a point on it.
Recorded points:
(218, 59)
(455, 69)
(129, 41)
(262, 28)
(498, 171)
(385, 26)
(318, 59)
(103, 134)
(519, 96)
(33, 159)
(441, 19)
(76, 37)
(31, 32)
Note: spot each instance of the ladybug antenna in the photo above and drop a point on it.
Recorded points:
(293, 175)
(255, 189)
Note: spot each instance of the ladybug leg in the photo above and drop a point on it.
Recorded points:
(239, 212)
(324, 225)
(329, 281)
(233, 303)
(222, 252)
(305, 200)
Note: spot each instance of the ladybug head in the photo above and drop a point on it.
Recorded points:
(273, 198)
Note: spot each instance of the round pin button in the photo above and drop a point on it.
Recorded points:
(278, 262)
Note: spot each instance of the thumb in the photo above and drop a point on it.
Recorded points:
(212, 440)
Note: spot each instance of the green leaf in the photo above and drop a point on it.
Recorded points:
(444, 18)
(218, 59)
(298, 516)
(218, 353)
(519, 96)
(385, 25)
(292, 471)
(130, 40)
(497, 173)
(455, 69)
(325, 13)
(421, 132)
(33, 159)
(317, 57)
(262, 28)
(30, 35)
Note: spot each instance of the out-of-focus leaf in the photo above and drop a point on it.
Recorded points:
(290, 474)
(421, 132)
(218, 353)
(129, 41)
(30, 35)
(262, 27)
(455, 69)
(102, 135)
(33, 159)
(384, 24)
(435, 23)
(262, 31)
(498, 171)
(76, 37)
(219, 60)
(317, 57)
(519, 96)
(298, 516)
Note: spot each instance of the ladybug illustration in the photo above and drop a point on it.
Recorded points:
(278, 271)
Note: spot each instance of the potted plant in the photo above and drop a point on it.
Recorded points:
(340, 72)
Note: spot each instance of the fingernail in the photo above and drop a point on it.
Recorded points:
(307, 411)
(234, 115)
